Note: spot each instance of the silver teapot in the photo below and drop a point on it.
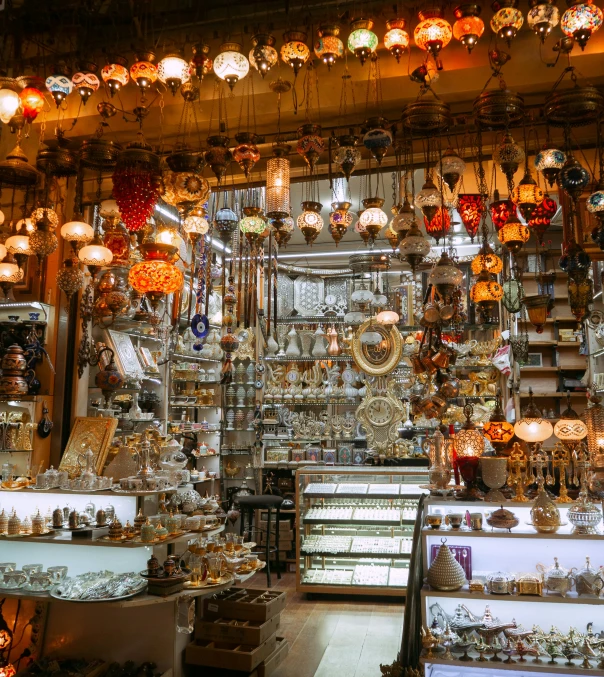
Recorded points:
(557, 579)
(589, 581)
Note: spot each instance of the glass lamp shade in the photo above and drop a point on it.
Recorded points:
(19, 245)
(174, 71)
(513, 293)
(155, 278)
(361, 296)
(433, 32)
(231, 65)
(469, 442)
(310, 143)
(310, 222)
(500, 211)
(387, 318)
(32, 102)
(26, 225)
(77, 231)
(246, 153)
(575, 261)
(144, 74)
(404, 218)
(549, 162)
(195, 225)
(506, 22)
(451, 168)
(396, 40)
(533, 429)
(580, 296)
(595, 202)
(347, 157)
(486, 260)
(542, 216)
(527, 195)
(573, 178)
(499, 433)
(226, 223)
(377, 138)
(514, 235)
(508, 156)
(295, 52)
(10, 273)
(469, 27)
(95, 254)
(537, 308)
(277, 187)
(3, 251)
(362, 41)
(470, 208)
(45, 214)
(115, 76)
(253, 224)
(486, 291)
(541, 18)
(373, 218)
(340, 216)
(439, 225)
(263, 56)
(9, 104)
(86, 84)
(570, 430)
(414, 247)
(60, 86)
(7, 670)
(445, 275)
(371, 338)
(392, 237)
(328, 46)
(428, 199)
(581, 21)
(108, 209)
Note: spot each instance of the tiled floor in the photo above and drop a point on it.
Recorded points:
(333, 637)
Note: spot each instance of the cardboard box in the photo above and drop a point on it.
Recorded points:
(270, 664)
(229, 655)
(284, 525)
(252, 633)
(244, 605)
(284, 536)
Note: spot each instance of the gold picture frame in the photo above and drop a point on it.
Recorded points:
(96, 433)
(377, 361)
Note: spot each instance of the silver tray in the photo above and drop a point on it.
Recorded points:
(107, 599)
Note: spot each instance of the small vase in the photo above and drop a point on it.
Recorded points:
(271, 346)
(306, 341)
(445, 572)
(135, 411)
(293, 349)
(319, 349)
(333, 348)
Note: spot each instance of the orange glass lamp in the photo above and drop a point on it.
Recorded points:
(396, 40)
(10, 274)
(7, 670)
(19, 246)
(498, 430)
(433, 33)
(469, 447)
(507, 20)
(32, 102)
(487, 260)
(486, 293)
(115, 75)
(514, 235)
(532, 427)
(537, 307)
(469, 26)
(527, 195)
(144, 73)
(156, 276)
(6, 636)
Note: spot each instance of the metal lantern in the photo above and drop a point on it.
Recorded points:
(549, 161)
(507, 20)
(246, 153)
(347, 156)
(362, 41)
(513, 293)
(594, 418)
(573, 178)
(396, 40)
(537, 307)
(295, 52)
(486, 292)
(575, 261)
(487, 260)
(263, 55)
(581, 20)
(542, 17)
(225, 223)
(277, 183)
(429, 199)
(508, 156)
(527, 195)
(201, 63)
(595, 202)
(218, 155)
(497, 429)
(310, 222)
(469, 26)
(373, 217)
(328, 46)
(340, 219)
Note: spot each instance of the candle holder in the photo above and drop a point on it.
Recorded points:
(518, 473)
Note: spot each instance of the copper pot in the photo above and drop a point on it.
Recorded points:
(442, 358)
(449, 388)
(416, 363)
(14, 359)
(427, 362)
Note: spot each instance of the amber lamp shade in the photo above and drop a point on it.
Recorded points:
(156, 276)
(537, 307)
(499, 433)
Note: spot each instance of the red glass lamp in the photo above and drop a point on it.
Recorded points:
(542, 216)
(439, 225)
(470, 208)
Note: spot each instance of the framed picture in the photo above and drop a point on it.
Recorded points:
(126, 358)
(94, 433)
(534, 360)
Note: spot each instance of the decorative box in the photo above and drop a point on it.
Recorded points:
(298, 455)
(313, 454)
(329, 456)
(277, 454)
(345, 455)
(358, 456)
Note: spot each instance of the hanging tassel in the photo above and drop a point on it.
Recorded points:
(269, 283)
(239, 281)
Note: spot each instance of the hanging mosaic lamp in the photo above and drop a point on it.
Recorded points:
(340, 219)
(373, 217)
(201, 64)
(445, 275)
(507, 20)
(570, 428)
(542, 17)
(508, 156)
(195, 225)
(143, 71)
(246, 153)
(487, 260)
(225, 224)
(513, 293)
(396, 40)
(580, 297)
(549, 161)
(573, 178)
(115, 75)
(451, 169)
(284, 231)
(263, 55)
(377, 137)
(252, 225)
(433, 32)
(86, 83)
(414, 247)
(59, 84)
(295, 52)
(231, 65)
(537, 307)
(471, 208)
(439, 225)
(156, 276)
(581, 20)
(43, 241)
(10, 274)
(392, 237)
(403, 219)
(347, 156)
(575, 261)
(328, 47)
(9, 104)
(527, 195)
(310, 144)
(500, 210)
(32, 102)
(360, 229)
(362, 41)
(70, 279)
(513, 235)
(497, 429)
(310, 222)
(486, 292)
(277, 191)
(429, 199)
(218, 155)
(469, 27)
(595, 202)
(542, 216)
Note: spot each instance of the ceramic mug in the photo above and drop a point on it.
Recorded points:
(40, 581)
(57, 573)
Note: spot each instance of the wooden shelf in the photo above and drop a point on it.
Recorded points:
(555, 395)
(464, 594)
(515, 533)
(461, 667)
(548, 369)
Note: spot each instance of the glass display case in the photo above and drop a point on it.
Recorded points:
(355, 528)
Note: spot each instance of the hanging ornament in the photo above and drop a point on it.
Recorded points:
(451, 169)
(396, 40)
(310, 222)
(392, 237)
(277, 191)
(595, 202)
(225, 224)
(507, 20)
(513, 234)
(328, 46)
(429, 199)
(581, 20)
(575, 261)
(486, 293)
(183, 185)
(549, 161)
(86, 82)
(404, 218)
(360, 229)
(253, 226)
(439, 225)
(414, 247)
(201, 64)
(487, 260)
(580, 297)
(471, 208)
(9, 104)
(310, 144)
(377, 137)
(32, 102)
(231, 65)
(500, 210)
(527, 195)
(445, 276)
(537, 307)
(362, 41)
(156, 276)
(508, 156)
(283, 230)
(542, 17)
(173, 71)
(143, 71)
(513, 293)
(263, 56)
(573, 178)
(59, 84)
(433, 33)
(70, 279)
(347, 156)
(115, 75)
(542, 216)
(43, 241)
(373, 218)
(218, 155)
(469, 26)
(295, 52)
(246, 154)
(340, 219)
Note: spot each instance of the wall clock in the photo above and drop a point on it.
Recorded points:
(381, 358)
(381, 414)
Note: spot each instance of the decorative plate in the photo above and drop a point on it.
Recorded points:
(200, 325)
(285, 296)
(309, 291)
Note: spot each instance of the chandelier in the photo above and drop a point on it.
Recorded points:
(581, 21)
(469, 26)
(542, 17)
(231, 65)
(396, 40)
(263, 55)
(156, 276)
(362, 41)
(328, 46)
(295, 52)
(507, 20)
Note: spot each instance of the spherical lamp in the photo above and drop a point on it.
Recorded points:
(549, 161)
(77, 233)
(532, 427)
(10, 274)
(86, 83)
(469, 26)
(387, 318)
(95, 255)
(507, 20)
(445, 276)
(497, 429)
(115, 75)
(542, 216)
(508, 156)
(433, 32)
(60, 86)
(527, 195)
(156, 276)
(174, 71)
(263, 56)
(451, 168)
(486, 293)
(500, 211)
(328, 46)
(396, 40)
(9, 104)
(513, 235)
(581, 21)
(373, 217)
(144, 73)
(487, 260)
(428, 199)
(570, 429)
(32, 102)
(231, 65)
(542, 17)
(414, 247)
(310, 222)
(573, 178)
(295, 52)
(347, 156)
(20, 247)
(362, 41)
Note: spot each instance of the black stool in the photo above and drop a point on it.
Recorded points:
(249, 504)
